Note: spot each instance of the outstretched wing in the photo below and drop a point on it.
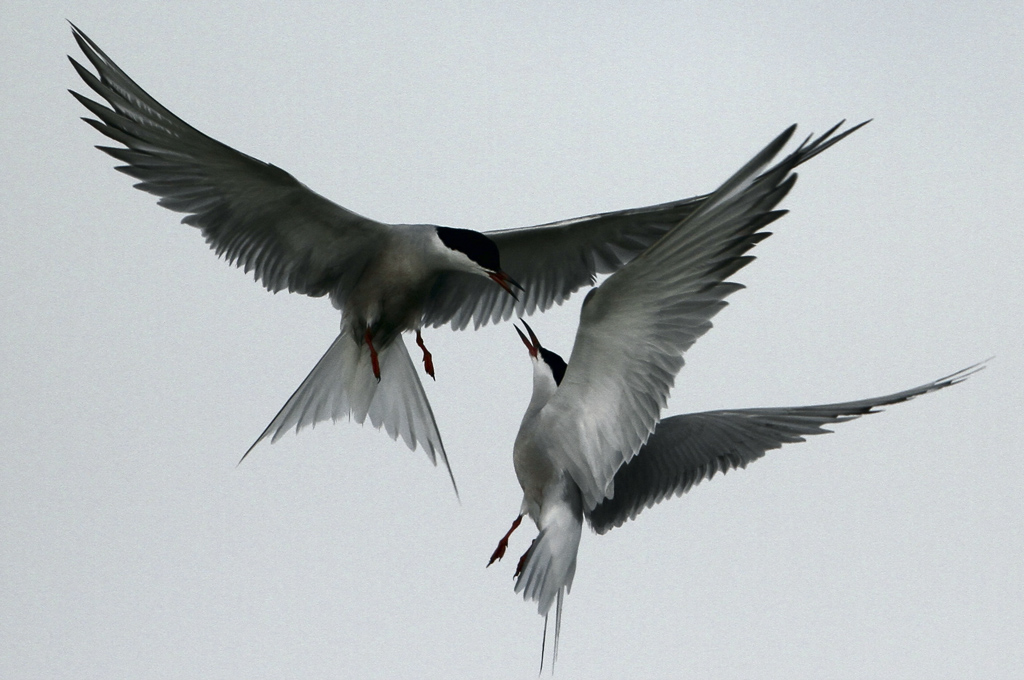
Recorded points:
(635, 327)
(552, 261)
(254, 214)
(686, 449)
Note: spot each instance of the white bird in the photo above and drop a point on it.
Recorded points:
(386, 279)
(590, 445)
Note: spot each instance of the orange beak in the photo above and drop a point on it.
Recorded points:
(506, 282)
(533, 344)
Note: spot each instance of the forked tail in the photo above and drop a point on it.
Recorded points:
(342, 385)
(550, 564)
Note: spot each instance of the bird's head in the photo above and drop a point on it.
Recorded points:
(545, 359)
(481, 254)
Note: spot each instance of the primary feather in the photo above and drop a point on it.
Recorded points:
(684, 450)
(636, 326)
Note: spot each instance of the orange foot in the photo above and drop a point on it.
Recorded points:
(368, 339)
(428, 360)
(522, 560)
(499, 552)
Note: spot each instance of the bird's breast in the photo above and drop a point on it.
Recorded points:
(392, 291)
(534, 467)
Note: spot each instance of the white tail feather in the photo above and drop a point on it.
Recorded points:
(342, 385)
(551, 561)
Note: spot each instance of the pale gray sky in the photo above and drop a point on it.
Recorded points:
(138, 367)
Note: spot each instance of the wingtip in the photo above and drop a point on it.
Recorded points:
(451, 476)
(965, 373)
(79, 36)
(248, 451)
(814, 145)
(263, 435)
(781, 140)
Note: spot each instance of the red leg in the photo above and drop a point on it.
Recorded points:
(428, 361)
(499, 552)
(522, 560)
(368, 339)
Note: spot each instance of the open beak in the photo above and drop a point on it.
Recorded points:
(506, 282)
(532, 344)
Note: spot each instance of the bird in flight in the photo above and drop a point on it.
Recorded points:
(385, 279)
(590, 446)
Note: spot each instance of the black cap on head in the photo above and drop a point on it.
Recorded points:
(556, 363)
(473, 244)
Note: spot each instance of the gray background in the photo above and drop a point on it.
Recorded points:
(137, 367)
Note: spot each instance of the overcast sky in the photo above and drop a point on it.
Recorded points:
(138, 367)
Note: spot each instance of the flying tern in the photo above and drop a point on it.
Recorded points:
(384, 278)
(590, 446)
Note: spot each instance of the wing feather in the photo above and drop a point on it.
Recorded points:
(635, 327)
(254, 214)
(554, 260)
(687, 449)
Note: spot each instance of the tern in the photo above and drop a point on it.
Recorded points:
(385, 279)
(590, 446)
